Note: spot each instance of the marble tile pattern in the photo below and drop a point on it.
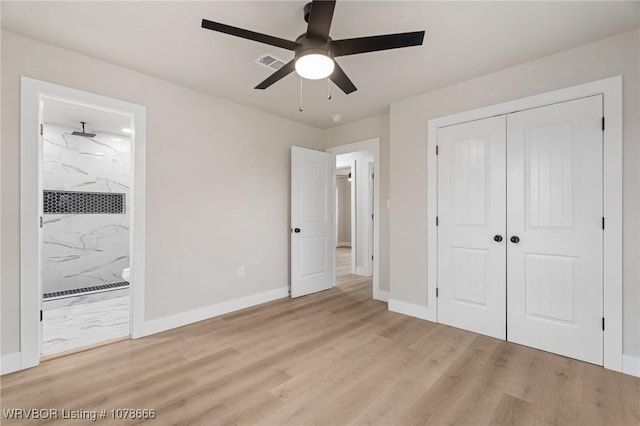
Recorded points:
(83, 250)
(84, 324)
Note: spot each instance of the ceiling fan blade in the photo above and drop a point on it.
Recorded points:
(251, 35)
(320, 19)
(352, 46)
(286, 69)
(342, 81)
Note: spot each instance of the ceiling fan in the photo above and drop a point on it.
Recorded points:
(315, 51)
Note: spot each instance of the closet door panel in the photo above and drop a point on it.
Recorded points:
(471, 212)
(554, 210)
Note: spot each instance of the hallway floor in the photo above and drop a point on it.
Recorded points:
(343, 263)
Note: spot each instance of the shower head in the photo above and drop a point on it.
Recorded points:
(83, 133)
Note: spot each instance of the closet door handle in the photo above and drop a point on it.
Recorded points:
(515, 239)
(497, 238)
(296, 230)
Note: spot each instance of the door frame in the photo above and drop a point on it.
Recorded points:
(611, 89)
(371, 182)
(352, 215)
(32, 93)
(372, 145)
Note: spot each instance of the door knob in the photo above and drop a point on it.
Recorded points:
(497, 238)
(515, 239)
(296, 230)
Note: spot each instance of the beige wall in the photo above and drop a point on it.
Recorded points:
(217, 183)
(370, 128)
(408, 157)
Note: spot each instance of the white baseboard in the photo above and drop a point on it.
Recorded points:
(631, 365)
(10, 363)
(412, 310)
(184, 318)
(362, 272)
(345, 244)
(381, 295)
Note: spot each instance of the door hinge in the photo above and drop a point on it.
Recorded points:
(41, 129)
(602, 323)
(602, 222)
(436, 220)
(372, 217)
(40, 221)
(436, 291)
(437, 150)
(371, 257)
(40, 314)
(602, 123)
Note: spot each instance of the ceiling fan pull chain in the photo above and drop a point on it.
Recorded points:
(329, 81)
(300, 106)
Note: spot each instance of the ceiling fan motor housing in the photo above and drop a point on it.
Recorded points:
(308, 46)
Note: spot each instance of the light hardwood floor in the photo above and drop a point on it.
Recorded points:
(332, 358)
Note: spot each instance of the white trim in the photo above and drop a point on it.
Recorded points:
(631, 365)
(411, 310)
(372, 145)
(10, 363)
(354, 247)
(381, 295)
(32, 93)
(371, 170)
(611, 89)
(184, 318)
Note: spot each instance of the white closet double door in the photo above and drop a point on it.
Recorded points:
(520, 227)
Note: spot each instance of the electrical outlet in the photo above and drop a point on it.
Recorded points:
(241, 271)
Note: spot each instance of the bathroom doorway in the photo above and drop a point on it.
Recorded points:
(82, 220)
(85, 227)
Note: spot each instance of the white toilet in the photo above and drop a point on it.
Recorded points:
(126, 274)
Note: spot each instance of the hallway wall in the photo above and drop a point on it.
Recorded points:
(343, 187)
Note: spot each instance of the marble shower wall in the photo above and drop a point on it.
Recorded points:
(84, 250)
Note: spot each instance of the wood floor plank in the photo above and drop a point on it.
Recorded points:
(330, 358)
(511, 411)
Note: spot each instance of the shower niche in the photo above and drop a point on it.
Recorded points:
(74, 202)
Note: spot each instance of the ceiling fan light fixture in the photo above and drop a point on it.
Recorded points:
(315, 50)
(314, 65)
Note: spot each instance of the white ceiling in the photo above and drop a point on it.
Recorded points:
(463, 40)
(98, 121)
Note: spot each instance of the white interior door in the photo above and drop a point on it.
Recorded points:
(313, 245)
(471, 226)
(554, 221)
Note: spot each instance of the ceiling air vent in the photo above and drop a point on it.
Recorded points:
(270, 61)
